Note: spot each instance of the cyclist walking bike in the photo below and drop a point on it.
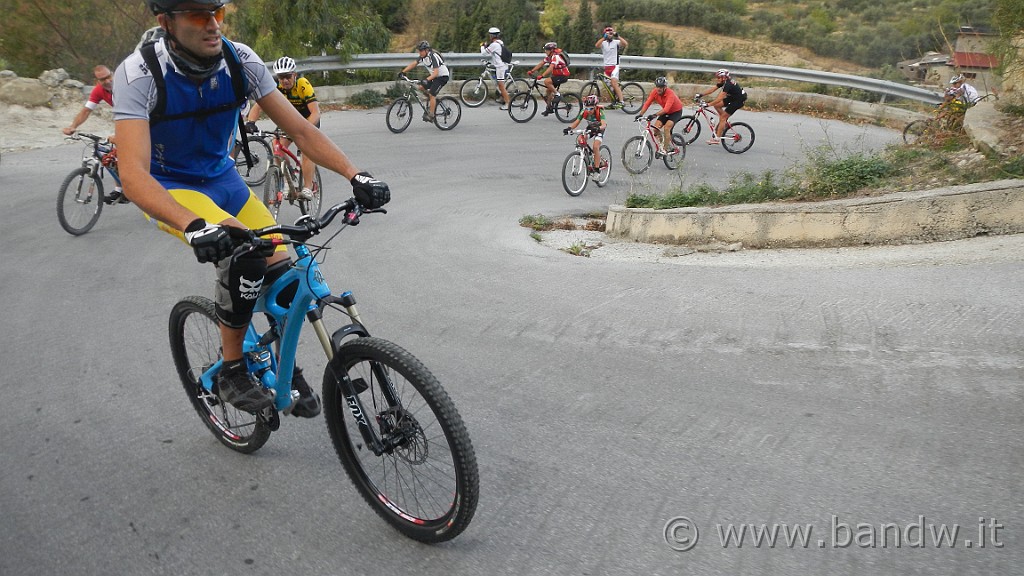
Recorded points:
(474, 91)
(633, 94)
(80, 199)
(396, 431)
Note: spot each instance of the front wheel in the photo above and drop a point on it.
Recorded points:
(195, 346)
(567, 108)
(522, 107)
(688, 128)
(425, 481)
(738, 138)
(574, 173)
(637, 155)
(259, 152)
(274, 191)
(447, 113)
(399, 115)
(633, 96)
(605, 167)
(312, 207)
(80, 201)
(915, 130)
(473, 92)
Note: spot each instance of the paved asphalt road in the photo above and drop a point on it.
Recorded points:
(873, 405)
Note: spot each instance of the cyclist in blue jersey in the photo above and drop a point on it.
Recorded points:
(176, 110)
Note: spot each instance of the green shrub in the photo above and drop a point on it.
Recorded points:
(367, 99)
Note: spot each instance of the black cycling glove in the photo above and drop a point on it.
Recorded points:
(211, 242)
(370, 192)
(566, 130)
(251, 128)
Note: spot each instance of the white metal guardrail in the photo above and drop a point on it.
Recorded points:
(580, 61)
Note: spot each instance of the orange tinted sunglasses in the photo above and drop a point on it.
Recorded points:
(201, 17)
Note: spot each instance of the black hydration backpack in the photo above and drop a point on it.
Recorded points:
(506, 54)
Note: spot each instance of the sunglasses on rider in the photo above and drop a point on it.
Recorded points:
(201, 17)
(288, 76)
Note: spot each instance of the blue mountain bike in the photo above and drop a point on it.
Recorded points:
(396, 431)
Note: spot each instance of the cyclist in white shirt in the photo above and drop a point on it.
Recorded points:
(959, 88)
(492, 48)
(438, 77)
(611, 45)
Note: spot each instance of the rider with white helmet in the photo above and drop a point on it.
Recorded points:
(300, 93)
(492, 48)
(612, 45)
(726, 103)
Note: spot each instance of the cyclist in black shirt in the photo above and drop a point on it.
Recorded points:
(726, 103)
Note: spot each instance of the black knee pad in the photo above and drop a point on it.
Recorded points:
(239, 281)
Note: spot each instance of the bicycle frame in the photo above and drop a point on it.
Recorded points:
(650, 134)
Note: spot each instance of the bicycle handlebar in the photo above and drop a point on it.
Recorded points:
(304, 228)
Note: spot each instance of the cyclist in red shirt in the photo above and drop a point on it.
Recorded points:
(102, 92)
(671, 112)
(557, 73)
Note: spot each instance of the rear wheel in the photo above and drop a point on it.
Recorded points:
(633, 96)
(399, 115)
(637, 155)
(567, 108)
(523, 107)
(425, 483)
(738, 138)
(574, 173)
(447, 113)
(259, 151)
(672, 161)
(274, 191)
(80, 201)
(473, 92)
(518, 85)
(195, 346)
(688, 128)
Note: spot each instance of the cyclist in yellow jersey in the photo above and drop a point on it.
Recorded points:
(300, 93)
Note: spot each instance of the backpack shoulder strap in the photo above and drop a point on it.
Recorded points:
(148, 52)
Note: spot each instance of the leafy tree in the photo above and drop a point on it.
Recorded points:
(39, 35)
(309, 27)
(554, 18)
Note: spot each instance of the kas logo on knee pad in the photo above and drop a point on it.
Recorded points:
(249, 289)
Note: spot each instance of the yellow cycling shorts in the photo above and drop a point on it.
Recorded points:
(254, 214)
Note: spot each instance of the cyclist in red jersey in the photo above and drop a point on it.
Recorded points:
(102, 92)
(671, 112)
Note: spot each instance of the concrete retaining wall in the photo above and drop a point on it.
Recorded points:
(908, 217)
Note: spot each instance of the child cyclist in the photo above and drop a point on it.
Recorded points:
(593, 113)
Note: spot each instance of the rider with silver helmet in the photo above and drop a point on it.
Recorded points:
(726, 103)
(436, 78)
(556, 72)
(300, 93)
(492, 49)
(175, 119)
(671, 112)
(959, 88)
(593, 114)
(612, 45)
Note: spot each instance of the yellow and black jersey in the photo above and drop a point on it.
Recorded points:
(300, 96)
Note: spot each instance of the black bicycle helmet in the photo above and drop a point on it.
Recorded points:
(162, 6)
(423, 45)
(660, 82)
